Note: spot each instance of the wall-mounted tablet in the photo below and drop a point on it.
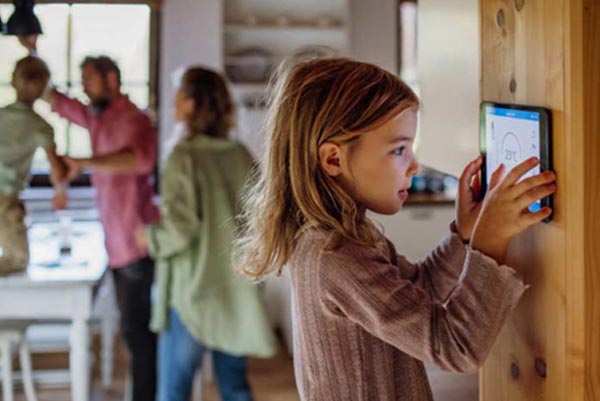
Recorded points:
(510, 134)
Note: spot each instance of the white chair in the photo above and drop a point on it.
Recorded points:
(52, 336)
(13, 334)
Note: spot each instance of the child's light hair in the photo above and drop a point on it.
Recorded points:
(30, 78)
(324, 100)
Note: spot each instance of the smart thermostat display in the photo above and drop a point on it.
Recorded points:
(511, 134)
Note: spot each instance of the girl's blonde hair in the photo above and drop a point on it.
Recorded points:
(213, 106)
(30, 78)
(313, 102)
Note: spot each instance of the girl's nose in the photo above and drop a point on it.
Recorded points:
(414, 168)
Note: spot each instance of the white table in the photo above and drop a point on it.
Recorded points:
(62, 288)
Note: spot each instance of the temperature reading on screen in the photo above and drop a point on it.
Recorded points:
(511, 149)
(510, 155)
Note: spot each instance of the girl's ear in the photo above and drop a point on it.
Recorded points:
(330, 158)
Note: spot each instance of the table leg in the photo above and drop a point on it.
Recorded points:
(7, 384)
(108, 350)
(80, 360)
(26, 373)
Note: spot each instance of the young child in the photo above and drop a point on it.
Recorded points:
(202, 305)
(365, 319)
(22, 131)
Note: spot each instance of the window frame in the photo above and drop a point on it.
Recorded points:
(399, 30)
(42, 180)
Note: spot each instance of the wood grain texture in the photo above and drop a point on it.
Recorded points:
(529, 50)
(591, 74)
(550, 348)
(575, 186)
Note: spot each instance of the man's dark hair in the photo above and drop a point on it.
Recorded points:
(103, 64)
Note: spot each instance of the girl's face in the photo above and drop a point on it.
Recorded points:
(184, 106)
(377, 168)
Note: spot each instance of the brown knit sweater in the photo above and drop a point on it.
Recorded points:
(364, 321)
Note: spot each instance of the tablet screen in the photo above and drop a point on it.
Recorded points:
(512, 136)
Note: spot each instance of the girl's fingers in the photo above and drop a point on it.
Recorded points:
(496, 176)
(468, 173)
(526, 185)
(535, 194)
(476, 182)
(476, 187)
(519, 171)
(532, 219)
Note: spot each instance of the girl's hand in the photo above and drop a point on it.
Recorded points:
(58, 174)
(140, 239)
(505, 210)
(74, 167)
(29, 42)
(60, 201)
(468, 200)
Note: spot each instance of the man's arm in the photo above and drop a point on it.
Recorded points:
(139, 155)
(120, 162)
(69, 108)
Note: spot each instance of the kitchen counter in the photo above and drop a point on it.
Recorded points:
(85, 264)
(420, 199)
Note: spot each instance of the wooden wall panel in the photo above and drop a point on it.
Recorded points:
(547, 53)
(591, 96)
(575, 187)
(522, 62)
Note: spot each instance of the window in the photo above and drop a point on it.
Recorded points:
(407, 43)
(72, 32)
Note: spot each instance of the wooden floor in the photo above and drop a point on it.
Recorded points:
(271, 380)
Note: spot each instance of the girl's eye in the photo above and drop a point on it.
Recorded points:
(399, 151)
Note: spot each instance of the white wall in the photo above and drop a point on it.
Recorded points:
(448, 71)
(191, 33)
(449, 81)
(448, 63)
(373, 35)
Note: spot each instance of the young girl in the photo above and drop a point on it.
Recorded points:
(202, 305)
(365, 319)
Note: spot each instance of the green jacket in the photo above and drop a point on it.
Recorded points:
(192, 245)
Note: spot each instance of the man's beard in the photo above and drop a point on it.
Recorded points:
(100, 104)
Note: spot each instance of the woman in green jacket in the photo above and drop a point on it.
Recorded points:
(202, 304)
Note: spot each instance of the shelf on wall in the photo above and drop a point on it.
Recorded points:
(249, 86)
(249, 59)
(299, 28)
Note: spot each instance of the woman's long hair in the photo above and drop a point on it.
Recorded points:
(213, 107)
